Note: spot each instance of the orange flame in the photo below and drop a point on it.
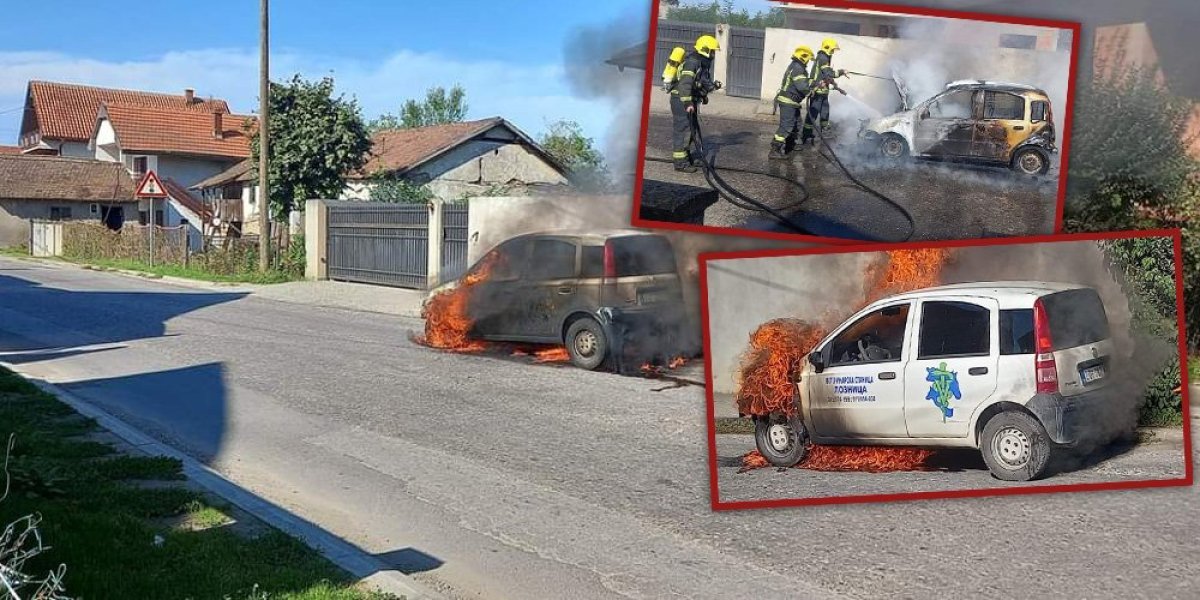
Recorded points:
(867, 459)
(447, 323)
(771, 366)
(554, 354)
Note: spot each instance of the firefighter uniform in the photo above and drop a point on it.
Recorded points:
(823, 72)
(692, 85)
(789, 102)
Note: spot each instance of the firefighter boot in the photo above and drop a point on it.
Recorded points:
(777, 151)
(685, 166)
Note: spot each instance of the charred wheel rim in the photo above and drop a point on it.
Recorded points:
(586, 343)
(1012, 447)
(893, 147)
(1030, 162)
(781, 437)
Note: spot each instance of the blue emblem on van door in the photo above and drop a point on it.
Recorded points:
(943, 387)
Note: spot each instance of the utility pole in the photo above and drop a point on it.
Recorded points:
(264, 163)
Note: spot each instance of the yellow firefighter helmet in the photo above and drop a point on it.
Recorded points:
(803, 53)
(706, 45)
(829, 45)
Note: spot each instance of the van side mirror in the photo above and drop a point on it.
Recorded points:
(925, 114)
(817, 359)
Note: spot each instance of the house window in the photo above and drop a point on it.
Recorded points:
(1019, 42)
(141, 164)
(60, 213)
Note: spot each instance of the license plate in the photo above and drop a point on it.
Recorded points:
(1091, 374)
(651, 297)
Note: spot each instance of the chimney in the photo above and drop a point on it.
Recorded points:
(218, 125)
(189, 95)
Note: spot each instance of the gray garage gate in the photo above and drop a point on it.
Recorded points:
(676, 33)
(746, 47)
(386, 244)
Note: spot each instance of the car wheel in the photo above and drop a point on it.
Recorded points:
(1015, 447)
(783, 441)
(893, 147)
(1031, 161)
(586, 344)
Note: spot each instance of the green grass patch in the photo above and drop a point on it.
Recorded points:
(190, 272)
(731, 425)
(114, 536)
(1194, 369)
(14, 251)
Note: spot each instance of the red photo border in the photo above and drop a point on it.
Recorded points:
(718, 505)
(648, 90)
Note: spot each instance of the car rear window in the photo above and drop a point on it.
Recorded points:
(1016, 331)
(1002, 105)
(1040, 110)
(642, 255)
(1076, 317)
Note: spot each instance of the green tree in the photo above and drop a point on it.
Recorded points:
(1129, 164)
(438, 108)
(722, 12)
(566, 143)
(1147, 267)
(316, 139)
(399, 191)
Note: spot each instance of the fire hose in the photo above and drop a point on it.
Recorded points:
(737, 198)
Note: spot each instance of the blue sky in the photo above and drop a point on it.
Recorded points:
(510, 55)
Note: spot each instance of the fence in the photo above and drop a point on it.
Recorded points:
(385, 244)
(92, 241)
(454, 241)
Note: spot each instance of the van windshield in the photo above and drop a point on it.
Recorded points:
(1076, 318)
(642, 255)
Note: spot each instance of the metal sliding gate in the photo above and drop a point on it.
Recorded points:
(746, 47)
(676, 33)
(385, 244)
(454, 241)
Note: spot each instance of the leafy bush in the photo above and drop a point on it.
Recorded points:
(1163, 405)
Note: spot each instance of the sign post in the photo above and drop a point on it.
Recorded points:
(151, 189)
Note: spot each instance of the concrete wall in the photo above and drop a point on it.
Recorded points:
(926, 68)
(16, 214)
(75, 150)
(746, 293)
(188, 171)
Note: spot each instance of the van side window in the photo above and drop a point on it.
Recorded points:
(955, 105)
(876, 337)
(510, 259)
(1001, 105)
(1016, 331)
(591, 262)
(1038, 110)
(954, 329)
(553, 259)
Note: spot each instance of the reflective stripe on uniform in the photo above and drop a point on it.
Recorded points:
(787, 101)
(780, 138)
(683, 154)
(682, 73)
(686, 98)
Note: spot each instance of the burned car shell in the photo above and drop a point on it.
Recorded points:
(972, 121)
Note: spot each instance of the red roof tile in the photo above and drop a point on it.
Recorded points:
(10, 149)
(399, 150)
(68, 112)
(178, 131)
(53, 178)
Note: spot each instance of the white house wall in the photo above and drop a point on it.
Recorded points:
(926, 68)
(188, 171)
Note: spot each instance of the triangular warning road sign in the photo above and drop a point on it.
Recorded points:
(151, 187)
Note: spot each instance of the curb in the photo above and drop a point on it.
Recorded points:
(370, 570)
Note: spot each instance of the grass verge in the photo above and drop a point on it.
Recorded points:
(191, 272)
(122, 539)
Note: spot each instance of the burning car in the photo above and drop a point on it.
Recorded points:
(598, 294)
(985, 122)
(1016, 370)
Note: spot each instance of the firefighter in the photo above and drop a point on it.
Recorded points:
(671, 71)
(824, 77)
(789, 102)
(693, 85)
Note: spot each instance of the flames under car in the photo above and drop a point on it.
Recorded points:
(611, 298)
(1005, 124)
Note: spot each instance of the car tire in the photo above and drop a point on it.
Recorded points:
(1031, 162)
(783, 441)
(587, 345)
(893, 147)
(1015, 447)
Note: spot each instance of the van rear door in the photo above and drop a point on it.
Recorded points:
(640, 272)
(954, 368)
(1080, 337)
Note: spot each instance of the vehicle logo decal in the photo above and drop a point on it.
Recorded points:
(943, 387)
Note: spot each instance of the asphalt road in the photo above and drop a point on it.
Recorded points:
(945, 201)
(495, 478)
(1159, 455)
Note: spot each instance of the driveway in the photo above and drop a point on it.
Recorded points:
(490, 477)
(945, 201)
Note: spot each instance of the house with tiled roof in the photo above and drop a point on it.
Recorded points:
(61, 189)
(10, 150)
(59, 118)
(458, 160)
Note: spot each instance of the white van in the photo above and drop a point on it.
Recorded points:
(1010, 368)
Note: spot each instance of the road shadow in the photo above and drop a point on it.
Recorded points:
(410, 561)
